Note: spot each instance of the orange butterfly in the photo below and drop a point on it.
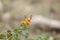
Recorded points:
(26, 21)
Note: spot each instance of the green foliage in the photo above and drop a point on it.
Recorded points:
(24, 32)
(2, 36)
(18, 32)
(10, 38)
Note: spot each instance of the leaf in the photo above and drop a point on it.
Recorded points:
(25, 33)
(2, 36)
(10, 38)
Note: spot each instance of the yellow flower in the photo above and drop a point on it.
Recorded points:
(23, 22)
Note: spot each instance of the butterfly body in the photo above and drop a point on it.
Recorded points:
(26, 21)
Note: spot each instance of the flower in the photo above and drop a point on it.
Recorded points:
(23, 22)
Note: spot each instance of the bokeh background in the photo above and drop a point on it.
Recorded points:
(13, 11)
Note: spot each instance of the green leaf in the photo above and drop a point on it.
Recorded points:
(10, 38)
(25, 33)
(2, 36)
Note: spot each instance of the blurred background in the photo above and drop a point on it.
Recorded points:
(12, 11)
